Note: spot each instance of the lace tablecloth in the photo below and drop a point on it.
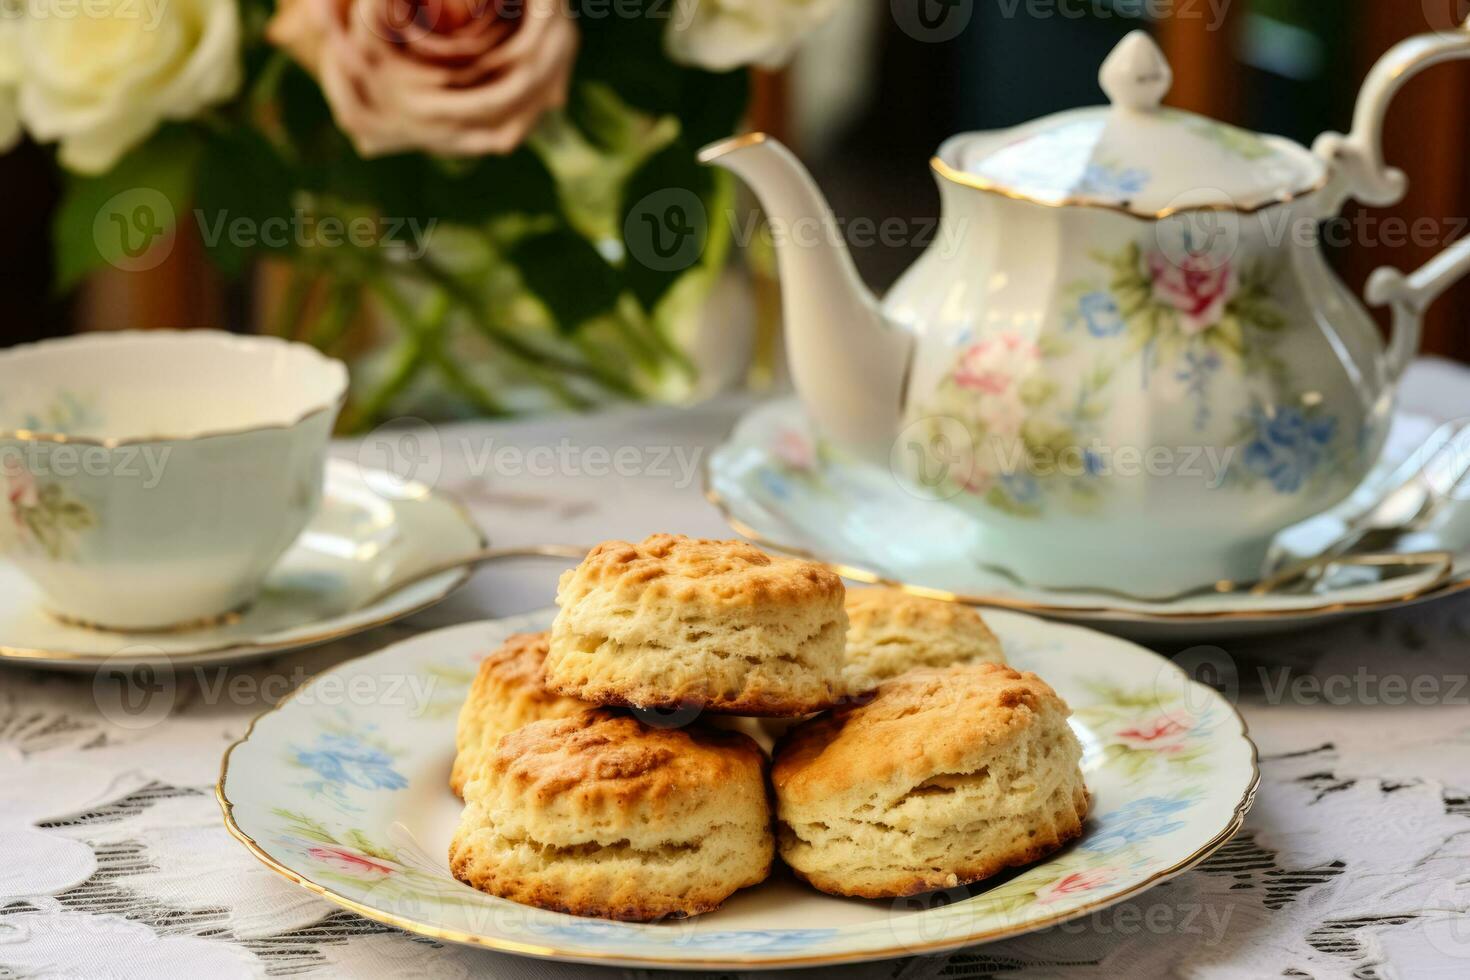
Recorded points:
(1354, 862)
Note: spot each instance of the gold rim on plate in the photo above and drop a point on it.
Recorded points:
(1442, 586)
(227, 809)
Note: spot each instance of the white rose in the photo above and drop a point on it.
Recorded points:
(100, 77)
(9, 79)
(719, 35)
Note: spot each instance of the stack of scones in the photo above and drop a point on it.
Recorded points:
(608, 768)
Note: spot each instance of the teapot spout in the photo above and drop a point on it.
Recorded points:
(849, 364)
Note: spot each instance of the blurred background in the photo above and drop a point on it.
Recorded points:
(866, 102)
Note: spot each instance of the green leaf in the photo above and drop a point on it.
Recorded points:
(244, 200)
(115, 217)
(665, 220)
(623, 48)
(711, 105)
(567, 274)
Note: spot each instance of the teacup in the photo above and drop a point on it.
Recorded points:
(152, 479)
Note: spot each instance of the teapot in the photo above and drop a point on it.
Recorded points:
(1124, 351)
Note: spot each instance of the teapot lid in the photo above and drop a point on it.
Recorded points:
(1135, 155)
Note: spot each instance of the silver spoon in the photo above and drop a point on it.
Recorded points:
(1420, 489)
(473, 560)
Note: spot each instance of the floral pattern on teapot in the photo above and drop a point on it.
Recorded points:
(1192, 318)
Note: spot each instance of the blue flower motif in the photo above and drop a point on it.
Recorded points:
(1101, 180)
(342, 759)
(1200, 365)
(1139, 820)
(1288, 447)
(1021, 487)
(1092, 462)
(776, 484)
(1100, 312)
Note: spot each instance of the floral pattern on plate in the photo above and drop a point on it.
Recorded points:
(364, 813)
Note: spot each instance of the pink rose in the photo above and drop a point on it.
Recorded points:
(451, 77)
(1197, 288)
(1162, 734)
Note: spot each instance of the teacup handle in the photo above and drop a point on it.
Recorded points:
(1359, 158)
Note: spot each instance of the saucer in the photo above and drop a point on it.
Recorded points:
(352, 802)
(371, 530)
(781, 486)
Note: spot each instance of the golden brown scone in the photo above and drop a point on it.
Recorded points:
(602, 815)
(675, 621)
(506, 695)
(949, 775)
(890, 631)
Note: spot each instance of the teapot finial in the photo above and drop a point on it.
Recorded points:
(1136, 74)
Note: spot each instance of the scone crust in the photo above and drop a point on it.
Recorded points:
(674, 621)
(947, 776)
(601, 815)
(891, 632)
(506, 694)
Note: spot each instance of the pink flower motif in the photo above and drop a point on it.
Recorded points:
(350, 862)
(21, 490)
(996, 365)
(1197, 287)
(795, 450)
(1166, 734)
(1073, 884)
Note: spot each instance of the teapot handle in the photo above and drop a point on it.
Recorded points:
(1359, 158)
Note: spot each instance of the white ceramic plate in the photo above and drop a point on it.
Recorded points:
(781, 486)
(371, 530)
(344, 790)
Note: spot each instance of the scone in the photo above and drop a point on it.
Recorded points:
(506, 695)
(890, 631)
(675, 621)
(949, 775)
(602, 815)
